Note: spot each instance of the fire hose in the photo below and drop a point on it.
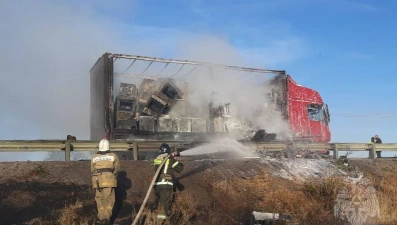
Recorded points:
(149, 190)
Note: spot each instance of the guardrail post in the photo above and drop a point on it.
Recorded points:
(173, 148)
(335, 151)
(135, 151)
(372, 151)
(67, 150)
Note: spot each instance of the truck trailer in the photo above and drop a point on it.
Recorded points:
(159, 100)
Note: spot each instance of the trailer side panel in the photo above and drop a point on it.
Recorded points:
(99, 98)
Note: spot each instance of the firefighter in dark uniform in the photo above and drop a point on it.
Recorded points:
(104, 168)
(164, 185)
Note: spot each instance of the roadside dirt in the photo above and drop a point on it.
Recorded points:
(39, 191)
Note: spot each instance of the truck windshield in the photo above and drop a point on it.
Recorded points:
(316, 112)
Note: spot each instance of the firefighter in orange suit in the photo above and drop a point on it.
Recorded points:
(104, 168)
(164, 188)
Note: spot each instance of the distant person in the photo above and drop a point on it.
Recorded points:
(164, 186)
(70, 138)
(375, 139)
(105, 166)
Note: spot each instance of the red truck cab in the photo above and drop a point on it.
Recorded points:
(303, 108)
(308, 115)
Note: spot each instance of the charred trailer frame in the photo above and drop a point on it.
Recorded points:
(146, 108)
(135, 112)
(145, 111)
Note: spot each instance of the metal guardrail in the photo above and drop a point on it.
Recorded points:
(69, 146)
(334, 147)
(135, 146)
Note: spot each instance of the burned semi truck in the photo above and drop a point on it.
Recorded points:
(166, 99)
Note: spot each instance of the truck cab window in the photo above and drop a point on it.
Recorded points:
(326, 114)
(316, 112)
(125, 105)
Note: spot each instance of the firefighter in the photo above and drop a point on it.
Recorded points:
(104, 168)
(164, 185)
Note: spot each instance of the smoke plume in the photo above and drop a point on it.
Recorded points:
(49, 47)
(47, 50)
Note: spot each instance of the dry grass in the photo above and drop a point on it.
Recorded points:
(184, 209)
(71, 215)
(232, 200)
(40, 170)
(148, 217)
(309, 203)
(387, 196)
(182, 212)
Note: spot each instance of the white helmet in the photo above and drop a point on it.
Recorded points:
(104, 145)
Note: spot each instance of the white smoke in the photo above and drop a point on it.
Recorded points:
(49, 47)
(246, 93)
(47, 50)
(247, 96)
(222, 145)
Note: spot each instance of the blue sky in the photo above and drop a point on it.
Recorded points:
(344, 49)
